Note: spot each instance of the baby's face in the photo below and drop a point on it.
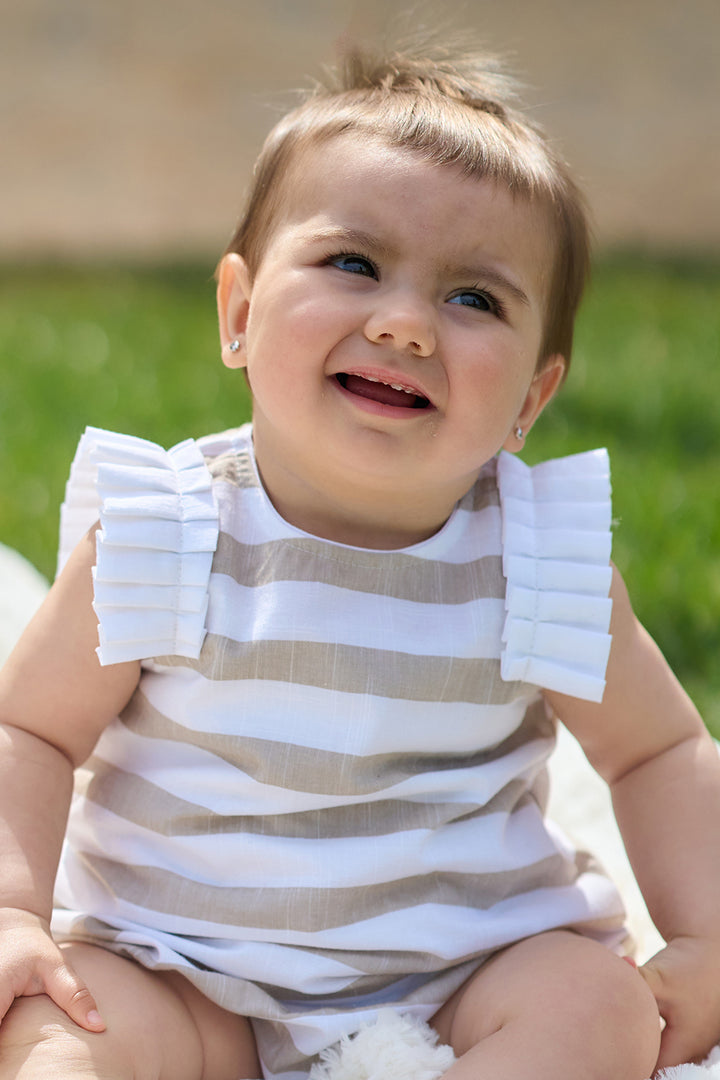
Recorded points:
(393, 328)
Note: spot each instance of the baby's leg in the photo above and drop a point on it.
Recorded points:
(159, 1027)
(555, 1007)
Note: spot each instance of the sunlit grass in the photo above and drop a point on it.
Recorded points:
(131, 351)
(135, 351)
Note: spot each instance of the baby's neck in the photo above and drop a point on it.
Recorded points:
(389, 531)
(382, 524)
(360, 508)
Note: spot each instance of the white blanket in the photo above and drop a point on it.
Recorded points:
(22, 590)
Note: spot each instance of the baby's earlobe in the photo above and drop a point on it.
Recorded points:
(233, 353)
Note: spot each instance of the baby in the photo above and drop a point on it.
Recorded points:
(333, 646)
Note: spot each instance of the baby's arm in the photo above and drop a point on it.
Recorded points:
(55, 700)
(647, 740)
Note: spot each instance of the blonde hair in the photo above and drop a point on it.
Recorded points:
(455, 110)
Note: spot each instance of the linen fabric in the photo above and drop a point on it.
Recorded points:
(326, 794)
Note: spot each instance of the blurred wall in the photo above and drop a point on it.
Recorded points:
(129, 129)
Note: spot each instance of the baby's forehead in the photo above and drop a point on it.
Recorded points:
(359, 171)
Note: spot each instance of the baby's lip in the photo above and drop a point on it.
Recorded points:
(396, 380)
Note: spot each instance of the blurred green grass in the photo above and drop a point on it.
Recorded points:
(135, 350)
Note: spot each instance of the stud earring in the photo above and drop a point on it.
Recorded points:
(235, 346)
(518, 433)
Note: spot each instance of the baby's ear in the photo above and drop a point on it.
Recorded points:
(233, 301)
(541, 391)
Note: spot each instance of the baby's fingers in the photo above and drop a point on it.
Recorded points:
(688, 1008)
(70, 993)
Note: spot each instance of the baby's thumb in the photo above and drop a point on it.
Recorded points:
(70, 993)
(655, 972)
(652, 977)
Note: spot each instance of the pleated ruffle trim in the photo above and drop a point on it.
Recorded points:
(159, 529)
(556, 558)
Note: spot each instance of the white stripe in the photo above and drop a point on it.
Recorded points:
(333, 721)
(252, 861)
(288, 611)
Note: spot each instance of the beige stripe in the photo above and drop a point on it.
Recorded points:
(403, 577)
(302, 768)
(354, 669)
(150, 807)
(309, 910)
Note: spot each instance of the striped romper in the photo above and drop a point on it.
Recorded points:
(326, 794)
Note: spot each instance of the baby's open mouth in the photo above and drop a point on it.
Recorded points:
(386, 393)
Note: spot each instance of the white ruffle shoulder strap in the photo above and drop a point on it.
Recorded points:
(159, 529)
(556, 559)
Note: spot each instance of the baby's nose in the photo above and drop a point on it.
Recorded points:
(404, 323)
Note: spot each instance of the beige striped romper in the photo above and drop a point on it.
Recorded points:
(326, 794)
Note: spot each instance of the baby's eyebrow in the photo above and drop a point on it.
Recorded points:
(340, 234)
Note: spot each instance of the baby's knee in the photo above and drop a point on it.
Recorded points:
(622, 1004)
(623, 992)
(608, 1011)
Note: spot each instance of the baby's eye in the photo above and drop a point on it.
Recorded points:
(353, 264)
(476, 298)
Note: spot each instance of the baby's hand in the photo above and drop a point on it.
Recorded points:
(685, 981)
(31, 963)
